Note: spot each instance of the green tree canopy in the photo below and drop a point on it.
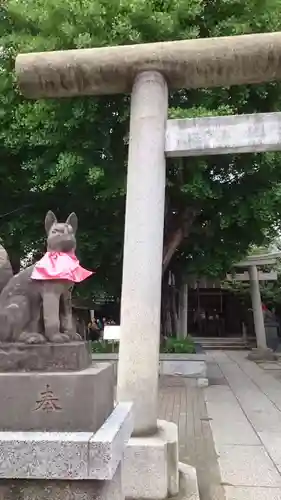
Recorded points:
(70, 154)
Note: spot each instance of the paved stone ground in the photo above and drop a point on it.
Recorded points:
(231, 431)
(245, 411)
(180, 401)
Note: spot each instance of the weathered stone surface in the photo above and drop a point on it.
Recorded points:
(237, 430)
(143, 243)
(35, 304)
(217, 135)
(258, 314)
(67, 455)
(258, 354)
(151, 464)
(202, 383)
(256, 493)
(63, 490)
(106, 447)
(185, 368)
(212, 62)
(44, 455)
(19, 357)
(58, 401)
(188, 483)
(247, 466)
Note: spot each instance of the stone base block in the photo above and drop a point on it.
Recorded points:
(151, 464)
(188, 483)
(258, 354)
(58, 401)
(185, 368)
(202, 383)
(63, 490)
(19, 357)
(68, 456)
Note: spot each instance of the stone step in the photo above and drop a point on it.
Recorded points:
(219, 343)
(224, 347)
(220, 339)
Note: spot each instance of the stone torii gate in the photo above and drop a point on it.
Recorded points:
(254, 276)
(146, 71)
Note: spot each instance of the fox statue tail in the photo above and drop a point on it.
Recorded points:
(6, 272)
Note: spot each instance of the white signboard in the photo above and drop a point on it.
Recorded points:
(111, 332)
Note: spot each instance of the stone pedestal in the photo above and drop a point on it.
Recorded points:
(60, 436)
(57, 401)
(151, 464)
(63, 490)
(258, 354)
(19, 357)
(66, 465)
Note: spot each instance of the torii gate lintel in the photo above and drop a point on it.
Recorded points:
(196, 63)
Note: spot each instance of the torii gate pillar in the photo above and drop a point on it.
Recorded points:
(143, 249)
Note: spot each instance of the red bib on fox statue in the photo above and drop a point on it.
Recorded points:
(60, 265)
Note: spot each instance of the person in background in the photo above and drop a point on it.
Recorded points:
(100, 324)
(93, 330)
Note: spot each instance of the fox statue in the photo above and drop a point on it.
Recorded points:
(35, 304)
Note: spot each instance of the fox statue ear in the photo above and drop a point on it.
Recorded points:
(50, 220)
(72, 220)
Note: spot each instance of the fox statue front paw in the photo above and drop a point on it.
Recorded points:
(32, 338)
(58, 338)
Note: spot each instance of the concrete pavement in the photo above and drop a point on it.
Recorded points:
(244, 408)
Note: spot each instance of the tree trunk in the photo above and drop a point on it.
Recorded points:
(174, 243)
(170, 301)
(183, 312)
(175, 237)
(173, 306)
(166, 329)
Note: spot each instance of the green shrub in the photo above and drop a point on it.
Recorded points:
(104, 347)
(172, 345)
